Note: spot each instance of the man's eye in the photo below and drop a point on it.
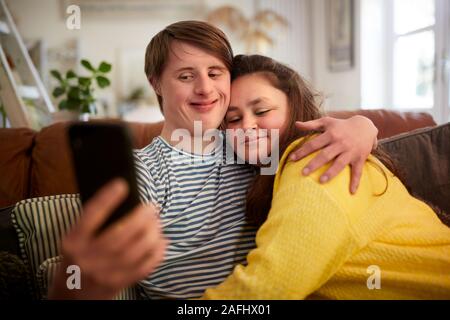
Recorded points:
(214, 75)
(185, 77)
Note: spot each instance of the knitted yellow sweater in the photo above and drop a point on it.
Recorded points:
(321, 242)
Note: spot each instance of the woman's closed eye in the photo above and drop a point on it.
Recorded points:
(233, 119)
(261, 112)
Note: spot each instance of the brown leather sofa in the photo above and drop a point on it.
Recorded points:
(36, 164)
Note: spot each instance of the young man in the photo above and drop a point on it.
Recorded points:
(201, 198)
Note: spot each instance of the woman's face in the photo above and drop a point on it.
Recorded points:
(256, 104)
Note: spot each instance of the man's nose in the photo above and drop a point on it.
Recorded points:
(203, 85)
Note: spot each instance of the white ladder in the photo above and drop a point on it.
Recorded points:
(26, 85)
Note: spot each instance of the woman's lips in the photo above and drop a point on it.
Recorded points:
(253, 139)
(204, 106)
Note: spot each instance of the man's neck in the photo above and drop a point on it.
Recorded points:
(188, 142)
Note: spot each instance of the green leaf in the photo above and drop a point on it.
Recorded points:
(104, 67)
(71, 74)
(85, 108)
(73, 104)
(74, 93)
(58, 91)
(102, 81)
(62, 105)
(57, 75)
(87, 65)
(84, 81)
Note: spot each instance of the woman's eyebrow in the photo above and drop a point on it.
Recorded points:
(257, 101)
(251, 103)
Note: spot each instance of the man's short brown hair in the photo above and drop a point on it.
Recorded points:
(197, 33)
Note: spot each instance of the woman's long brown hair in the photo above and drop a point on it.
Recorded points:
(304, 104)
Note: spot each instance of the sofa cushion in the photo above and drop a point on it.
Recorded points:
(15, 164)
(40, 224)
(52, 171)
(423, 156)
(390, 122)
(47, 271)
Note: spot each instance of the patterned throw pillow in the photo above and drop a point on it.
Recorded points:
(40, 224)
(47, 271)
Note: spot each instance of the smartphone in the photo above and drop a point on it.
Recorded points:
(100, 153)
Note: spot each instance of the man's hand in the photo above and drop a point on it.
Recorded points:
(345, 142)
(121, 255)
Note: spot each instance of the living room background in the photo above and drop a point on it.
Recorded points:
(120, 37)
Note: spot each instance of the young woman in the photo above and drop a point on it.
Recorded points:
(318, 240)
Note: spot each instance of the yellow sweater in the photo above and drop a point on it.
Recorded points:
(321, 242)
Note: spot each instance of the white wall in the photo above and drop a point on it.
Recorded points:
(100, 38)
(341, 89)
(303, 46)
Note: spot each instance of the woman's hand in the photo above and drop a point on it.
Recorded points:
(345, 142)
(124, 253)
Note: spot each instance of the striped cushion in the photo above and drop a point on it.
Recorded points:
(47, 271)
(40, 224)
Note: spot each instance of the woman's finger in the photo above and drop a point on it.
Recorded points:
(314, 144)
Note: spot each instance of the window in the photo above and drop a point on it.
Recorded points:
(405, 54)
(413, 52)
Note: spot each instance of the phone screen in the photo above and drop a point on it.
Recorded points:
(102, 152)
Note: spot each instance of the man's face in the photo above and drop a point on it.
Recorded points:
(195, 86)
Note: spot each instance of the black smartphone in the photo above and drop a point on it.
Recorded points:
(100, 153)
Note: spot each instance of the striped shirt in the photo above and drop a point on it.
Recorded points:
(202, 202)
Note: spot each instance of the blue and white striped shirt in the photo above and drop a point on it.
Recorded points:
(202, 201)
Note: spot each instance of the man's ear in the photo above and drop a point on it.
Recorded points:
(155, 84)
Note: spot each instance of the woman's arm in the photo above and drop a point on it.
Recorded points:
(344, 142)
(305, 240)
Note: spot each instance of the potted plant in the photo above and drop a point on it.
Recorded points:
(76, 93)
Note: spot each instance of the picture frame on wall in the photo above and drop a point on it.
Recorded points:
(340, 25)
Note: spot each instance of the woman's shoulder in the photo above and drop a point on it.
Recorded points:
(289, 175)
(288, 167)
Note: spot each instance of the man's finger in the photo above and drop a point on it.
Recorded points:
(317, 124)
(311, 146)
(100, 206)
(322, 158)
(121, 233)
(357, 169)
(336, 167)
